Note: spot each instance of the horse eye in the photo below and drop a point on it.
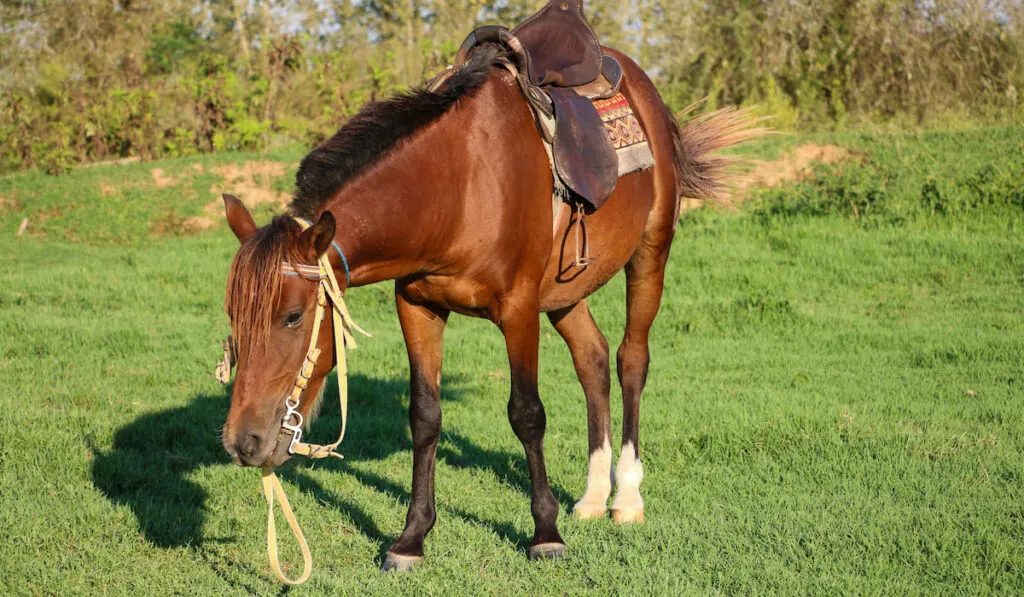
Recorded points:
(293, 319)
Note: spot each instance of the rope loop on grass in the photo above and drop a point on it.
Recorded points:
(272, 490)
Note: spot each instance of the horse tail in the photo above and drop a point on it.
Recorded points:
(702, 173)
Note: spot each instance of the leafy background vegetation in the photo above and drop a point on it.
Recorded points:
(86, 80)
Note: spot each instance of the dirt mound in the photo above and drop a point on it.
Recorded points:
(252, 182)
(10, 204)
(198, 223)
(795, 165)
(161, 180)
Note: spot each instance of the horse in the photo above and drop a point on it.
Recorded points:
(448, 193)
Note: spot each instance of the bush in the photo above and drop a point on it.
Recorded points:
(860, 193)
(91, 80)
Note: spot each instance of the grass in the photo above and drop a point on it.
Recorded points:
(834, 404)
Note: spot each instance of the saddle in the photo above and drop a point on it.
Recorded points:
(561, 69)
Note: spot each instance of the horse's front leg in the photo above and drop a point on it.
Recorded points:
(590, 357)
(423, 328)
(521, 326)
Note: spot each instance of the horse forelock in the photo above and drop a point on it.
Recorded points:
(254, 286)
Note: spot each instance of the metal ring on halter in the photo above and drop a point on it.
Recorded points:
(296, 427)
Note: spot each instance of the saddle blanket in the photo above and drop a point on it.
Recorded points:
(625, 134)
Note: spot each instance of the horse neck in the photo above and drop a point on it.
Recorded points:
(393, 219)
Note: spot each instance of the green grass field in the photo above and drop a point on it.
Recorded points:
(834, 403)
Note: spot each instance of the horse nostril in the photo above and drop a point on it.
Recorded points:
(250, 445)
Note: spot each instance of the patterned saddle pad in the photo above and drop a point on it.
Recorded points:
(625, 134)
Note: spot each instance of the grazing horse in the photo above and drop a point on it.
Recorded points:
(449, 194)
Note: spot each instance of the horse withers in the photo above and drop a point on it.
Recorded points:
(449, 194)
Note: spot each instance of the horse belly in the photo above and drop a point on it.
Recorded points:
(614, 232)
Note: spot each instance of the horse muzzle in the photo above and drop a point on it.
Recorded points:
(258, 449)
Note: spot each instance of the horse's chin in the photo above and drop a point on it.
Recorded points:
(280, 454)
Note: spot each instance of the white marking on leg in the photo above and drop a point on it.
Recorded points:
(594, 502)
(628, 505)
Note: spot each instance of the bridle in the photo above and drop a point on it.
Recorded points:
(328, 294)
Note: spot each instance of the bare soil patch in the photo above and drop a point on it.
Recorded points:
(252, 182)
(12, 202)
(796, 165)
(162, 180)
(198, 224)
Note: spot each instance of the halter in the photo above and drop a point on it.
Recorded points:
(328, 292)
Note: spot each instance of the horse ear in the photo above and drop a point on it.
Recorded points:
(239, 218)
(318, 238)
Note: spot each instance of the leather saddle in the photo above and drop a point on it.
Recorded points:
(561, 69)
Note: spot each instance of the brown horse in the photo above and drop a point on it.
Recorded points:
(449, 193)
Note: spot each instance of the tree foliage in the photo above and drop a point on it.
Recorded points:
(84, 80)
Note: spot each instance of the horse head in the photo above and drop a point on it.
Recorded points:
(273, 316)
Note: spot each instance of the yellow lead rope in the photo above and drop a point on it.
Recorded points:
(272, 489)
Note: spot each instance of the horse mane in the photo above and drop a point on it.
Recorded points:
(254, 284)
(377, 129)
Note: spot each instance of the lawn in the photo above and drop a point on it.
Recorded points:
(834, 403)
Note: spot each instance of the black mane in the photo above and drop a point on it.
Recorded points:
(376, 129)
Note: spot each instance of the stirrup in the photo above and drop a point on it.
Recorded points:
(583, 258)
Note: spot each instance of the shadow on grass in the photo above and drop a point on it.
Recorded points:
(152, 456)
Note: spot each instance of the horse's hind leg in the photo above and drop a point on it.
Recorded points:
(590, 357)
(645, 277)
(423, 329)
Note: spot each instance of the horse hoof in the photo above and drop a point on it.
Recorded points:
(584, 512)
(396, 563)
(628, 516)
(546, 551)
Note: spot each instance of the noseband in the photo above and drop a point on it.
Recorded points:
(328, 293)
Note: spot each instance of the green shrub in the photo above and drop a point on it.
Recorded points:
(858, 193)
(179, 78)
